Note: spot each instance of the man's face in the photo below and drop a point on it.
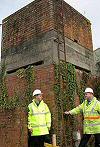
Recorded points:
(39, 97)
(88, 95)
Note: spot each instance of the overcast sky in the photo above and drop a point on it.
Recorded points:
(89, 8)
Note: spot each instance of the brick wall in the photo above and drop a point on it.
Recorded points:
(40, 17)
(13, 128)
(30, 21)
(13, 123)
(30, 36)
(77, 27)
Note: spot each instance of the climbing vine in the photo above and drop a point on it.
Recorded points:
(57, 89)
(65, 88)
(83, 84)
(7, 102)
(71, 77)
(30, 79)
(71, 92)
(3, 88)
(29, 75)
(13, 107)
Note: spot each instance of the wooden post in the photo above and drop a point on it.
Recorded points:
(54, 140)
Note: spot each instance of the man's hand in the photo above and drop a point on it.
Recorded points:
(67, 112)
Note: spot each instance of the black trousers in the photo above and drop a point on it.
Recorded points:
(86, 137)
(38, 141)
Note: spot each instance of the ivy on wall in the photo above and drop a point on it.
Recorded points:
(83, 84)
(30, 79)
(7, 102)
(13, 107)
(3, 88)
(66, 88)
(57, 90)
(29, 75)
(71, 93)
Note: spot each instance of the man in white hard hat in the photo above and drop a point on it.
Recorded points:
(39, 120)
(90, 109)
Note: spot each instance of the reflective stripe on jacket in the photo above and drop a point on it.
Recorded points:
(39, 118)
(91, 113)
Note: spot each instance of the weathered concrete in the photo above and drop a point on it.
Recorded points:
(78, 55)
(44, 50)
(97, 61)
(36, 33)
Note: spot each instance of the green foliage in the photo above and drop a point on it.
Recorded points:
(20, 73)
(7, 102)
(83, 84)
(30, 79)
(58, 95)
(3, 88)
(71, 92)
(71, 77)
(65, 88)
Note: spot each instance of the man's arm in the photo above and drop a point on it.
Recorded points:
(77, 110)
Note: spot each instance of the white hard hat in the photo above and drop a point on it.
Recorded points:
(89, 90)
(36, 92)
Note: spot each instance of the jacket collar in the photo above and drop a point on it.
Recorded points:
(33, 101)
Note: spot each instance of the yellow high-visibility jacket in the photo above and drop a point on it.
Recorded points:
(91, 113)
(39, 118)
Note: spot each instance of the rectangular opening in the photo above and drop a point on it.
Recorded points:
(34, 64)
(75, 40)
(80, 68)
